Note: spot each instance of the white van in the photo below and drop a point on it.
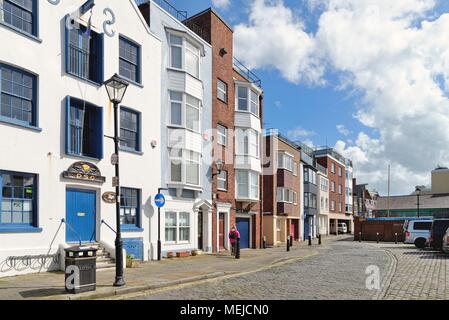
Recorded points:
(342, 227)
(417, 232)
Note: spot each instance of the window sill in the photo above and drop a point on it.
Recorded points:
(83, 157)
(19, 124)
(21, 32)
(248, 112)
(135, 83)
(222, 190)
(77, 77)
(181, 185)
(20, 230)
(132, 229)
(140, 153)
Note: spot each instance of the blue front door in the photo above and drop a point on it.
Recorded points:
(80, 215)
(306, 227)
(243, 228)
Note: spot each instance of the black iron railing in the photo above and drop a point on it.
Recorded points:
(247, 73)
(79, 62)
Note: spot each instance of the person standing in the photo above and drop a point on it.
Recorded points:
(234, 234)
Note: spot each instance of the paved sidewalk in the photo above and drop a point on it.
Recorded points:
(154, 275)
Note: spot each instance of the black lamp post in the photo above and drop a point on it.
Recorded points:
(418, 193)
(116, 88)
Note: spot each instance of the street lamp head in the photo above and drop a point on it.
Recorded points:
(219, 164)
(116, 88)
(418, 190)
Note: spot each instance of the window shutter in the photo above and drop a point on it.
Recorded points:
(67, 42)
(100, 57)
(68, 147)
(98, 135)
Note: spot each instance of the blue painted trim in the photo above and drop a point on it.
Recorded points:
(20, 124)
(21, 32)
(139, 60)
(126, 228)
(139, 131)
(21, 230)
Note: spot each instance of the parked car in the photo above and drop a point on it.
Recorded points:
(439, 227)
(446, 242)
(342, 227)
(417, 232)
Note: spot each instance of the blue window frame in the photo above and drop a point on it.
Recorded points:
(84, 130)
(84, 54)
(18, 200)
(20, 14)
(17, 96)
(129, 129)
(130, 208)
(129, 60)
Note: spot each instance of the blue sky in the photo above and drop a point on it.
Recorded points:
(390, 56)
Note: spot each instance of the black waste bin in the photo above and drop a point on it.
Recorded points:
(80, 269)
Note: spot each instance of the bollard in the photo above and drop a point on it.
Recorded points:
(291, 241)
(360, 237)
(396, 238)
(237, 249)
(310, 240)
(288, 243)
(264, 242)
(319, 239)
(377, 235)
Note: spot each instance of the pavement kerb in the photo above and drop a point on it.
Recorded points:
(385, 286)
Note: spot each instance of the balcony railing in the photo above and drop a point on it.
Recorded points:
(79, 62)
(167, 6)
(248, 74)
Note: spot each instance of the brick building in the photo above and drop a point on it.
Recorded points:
(237, 128)
(336, 170)
(281, 185)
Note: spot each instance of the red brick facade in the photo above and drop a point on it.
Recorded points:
(334, 177)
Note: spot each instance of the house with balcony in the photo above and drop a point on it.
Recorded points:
(55, 120)
(281, 185)
(323, 200)
(309, 179)
(186, 119)
(236, 129)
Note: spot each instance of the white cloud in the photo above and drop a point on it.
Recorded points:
(278, 104)
(343, 130)
(274, 37)
(222, 4)
(394, 54)
(299, 133)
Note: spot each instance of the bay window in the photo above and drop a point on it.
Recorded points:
(248, 143)
(310, 200)
(285, 162)
(247, 100)
(185, 167)
(184, 55)
(184, 111)
(177, 227)
(287, 195)
(247, 184)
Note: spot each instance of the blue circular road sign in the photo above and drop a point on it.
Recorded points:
(159, 200)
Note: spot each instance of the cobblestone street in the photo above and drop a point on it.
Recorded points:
(337, 272)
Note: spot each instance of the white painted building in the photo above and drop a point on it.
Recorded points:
(186, 104)
(323, 198)
(55, 161)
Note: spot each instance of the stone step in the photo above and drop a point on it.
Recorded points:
(105, 266)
